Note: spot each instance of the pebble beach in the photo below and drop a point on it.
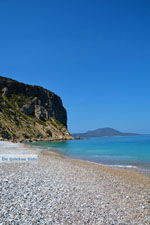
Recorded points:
(57, 190)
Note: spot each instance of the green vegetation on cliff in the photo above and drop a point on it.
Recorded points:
(30, 112)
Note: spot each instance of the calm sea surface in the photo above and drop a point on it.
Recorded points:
(132, 152)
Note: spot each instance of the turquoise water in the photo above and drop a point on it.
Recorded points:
(116, 151)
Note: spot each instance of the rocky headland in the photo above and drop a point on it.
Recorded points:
(30, 113)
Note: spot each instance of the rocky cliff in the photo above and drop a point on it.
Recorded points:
(30, 113)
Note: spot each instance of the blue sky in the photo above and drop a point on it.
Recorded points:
(94, 54)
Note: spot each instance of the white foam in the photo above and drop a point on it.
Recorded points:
(123, 166)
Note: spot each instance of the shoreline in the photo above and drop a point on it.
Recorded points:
(60, 190)
(119, 167)
(54, 153)
(129, 174)
(136, 168)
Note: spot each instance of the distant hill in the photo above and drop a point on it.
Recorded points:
(103, 132)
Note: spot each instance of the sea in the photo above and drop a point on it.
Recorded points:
(124, 152)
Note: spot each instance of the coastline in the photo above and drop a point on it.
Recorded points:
(142, 167)
(72, 191)
(129, 174)
(123, 172)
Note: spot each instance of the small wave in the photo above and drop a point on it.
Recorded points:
(123, 166)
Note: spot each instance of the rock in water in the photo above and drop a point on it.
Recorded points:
(30, 113)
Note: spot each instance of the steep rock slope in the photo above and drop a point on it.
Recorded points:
(30, 112)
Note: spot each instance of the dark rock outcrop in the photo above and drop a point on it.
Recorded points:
(28, 111)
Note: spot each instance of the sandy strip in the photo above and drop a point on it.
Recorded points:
(58, 190)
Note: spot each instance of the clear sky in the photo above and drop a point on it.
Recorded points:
(95, 54)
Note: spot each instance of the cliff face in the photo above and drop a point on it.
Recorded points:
(30, 112)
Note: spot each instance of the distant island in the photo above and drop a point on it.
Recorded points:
(102, 132)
